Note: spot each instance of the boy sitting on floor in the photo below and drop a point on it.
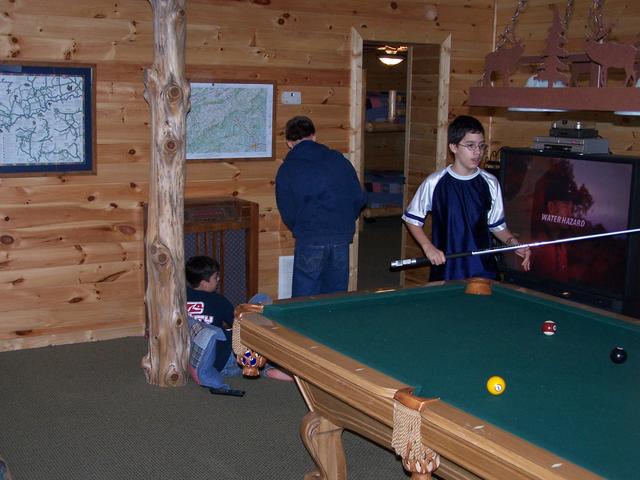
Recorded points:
(210, 328)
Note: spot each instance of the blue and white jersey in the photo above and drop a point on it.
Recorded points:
(464, 211)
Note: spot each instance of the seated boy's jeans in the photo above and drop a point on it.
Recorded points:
(231, 369)
(261, 298)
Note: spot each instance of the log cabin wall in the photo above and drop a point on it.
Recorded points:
(72, 249)
(518, 129)
(72, 263)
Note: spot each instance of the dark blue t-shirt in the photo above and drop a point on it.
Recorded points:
(465, 211)
(209, 307)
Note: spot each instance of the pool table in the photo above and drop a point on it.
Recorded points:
(567, 412)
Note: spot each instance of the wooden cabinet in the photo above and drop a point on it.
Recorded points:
(225, 229)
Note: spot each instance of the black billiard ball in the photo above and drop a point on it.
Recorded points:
(618, 355)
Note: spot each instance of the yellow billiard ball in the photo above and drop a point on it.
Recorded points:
(496, 385)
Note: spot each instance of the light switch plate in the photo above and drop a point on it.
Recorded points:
(291, 98)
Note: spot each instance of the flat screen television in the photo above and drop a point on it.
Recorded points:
(550, 195)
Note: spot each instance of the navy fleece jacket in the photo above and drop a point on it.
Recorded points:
(318, 194)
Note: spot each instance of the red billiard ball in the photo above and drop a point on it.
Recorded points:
(549, 327)
(618, 355)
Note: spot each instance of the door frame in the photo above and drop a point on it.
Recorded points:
(356, 115)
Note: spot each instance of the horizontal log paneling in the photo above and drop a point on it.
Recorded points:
(297, 75)
(46, 297)
(324, 113)
(68, 226)
(259, 191)
(351, 8)
(106, 331)
(69, 275)
(74, 234)
(61, 49)
(123, 153)
(61, 213)
(73, 10)
(384, 151)
(108, 174)
(214, 38)
(78, 254)
(222, 170)
(248, 55)
(122, 195)
(27, 326)
(270, 221)
(101, 29)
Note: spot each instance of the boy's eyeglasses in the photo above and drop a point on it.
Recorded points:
(472, 147)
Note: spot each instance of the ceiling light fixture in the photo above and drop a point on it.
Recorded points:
(390, 60)
(389, 55)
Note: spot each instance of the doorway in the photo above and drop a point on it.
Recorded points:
(402, 106)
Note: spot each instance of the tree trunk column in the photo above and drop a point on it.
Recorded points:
(167, 94)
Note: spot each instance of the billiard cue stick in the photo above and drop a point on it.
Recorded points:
(424, 261)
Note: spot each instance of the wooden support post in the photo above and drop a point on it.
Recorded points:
(167, 94)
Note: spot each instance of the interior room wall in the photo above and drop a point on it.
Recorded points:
(72, 248)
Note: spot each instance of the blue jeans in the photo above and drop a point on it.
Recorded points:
(231, 368)
(320, 268)
(225, 360)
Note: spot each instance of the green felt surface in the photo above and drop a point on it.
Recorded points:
(563, 393)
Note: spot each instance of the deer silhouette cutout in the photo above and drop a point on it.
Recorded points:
(612, 55)
(504, 61)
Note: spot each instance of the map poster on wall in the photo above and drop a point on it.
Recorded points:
(46, 119)
(230, 121)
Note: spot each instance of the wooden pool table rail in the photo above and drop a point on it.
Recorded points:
(342, 393)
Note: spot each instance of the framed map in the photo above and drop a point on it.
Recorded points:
(46, 119)
(230, 121)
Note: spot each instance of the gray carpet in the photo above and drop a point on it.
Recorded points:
(86, 412)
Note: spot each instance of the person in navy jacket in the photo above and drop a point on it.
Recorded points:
(319, 198)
